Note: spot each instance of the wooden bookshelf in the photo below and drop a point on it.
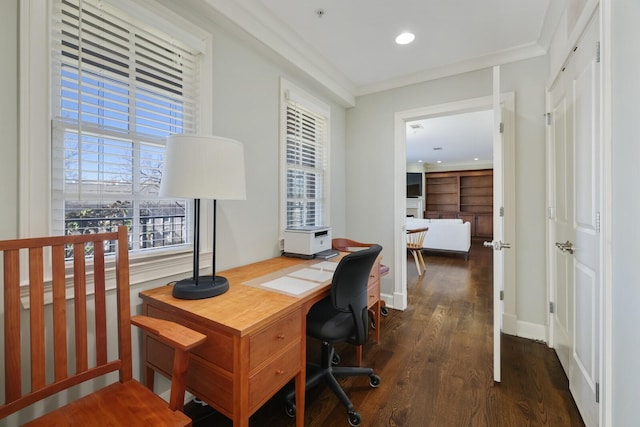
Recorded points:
(442, 193)
(467, 195)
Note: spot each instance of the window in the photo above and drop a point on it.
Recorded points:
(305, 142)
(119, 87)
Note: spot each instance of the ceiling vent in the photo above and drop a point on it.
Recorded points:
(437, 148)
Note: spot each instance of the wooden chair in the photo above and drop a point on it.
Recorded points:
(415, 239)
(69, 342)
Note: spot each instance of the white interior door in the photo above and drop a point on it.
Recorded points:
(585, 84)
(561, 219)
(498, 224)
(575, 223)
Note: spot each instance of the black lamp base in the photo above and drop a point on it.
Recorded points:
(207, 287)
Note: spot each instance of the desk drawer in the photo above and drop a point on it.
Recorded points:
(274, 338)
(373, 293)
(268, 380)
(203, 381)
(374, 274)
(218, 348)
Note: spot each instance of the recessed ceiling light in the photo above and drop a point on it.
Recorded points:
(475, 158)
(405, 38)
(419, 161)
(439, 161)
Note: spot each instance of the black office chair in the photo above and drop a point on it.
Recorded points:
(341, 317)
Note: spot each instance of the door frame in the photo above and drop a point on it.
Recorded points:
(399, 298)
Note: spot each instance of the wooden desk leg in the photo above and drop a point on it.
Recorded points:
(358, 355)
(376, 315)
(301, 378)
(300, 392)
(149, 378)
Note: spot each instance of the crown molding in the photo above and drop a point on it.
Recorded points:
(260, 23)
(499, 58)
(257, 21)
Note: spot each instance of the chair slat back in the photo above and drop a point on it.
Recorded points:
(415, 237)
(43, 330)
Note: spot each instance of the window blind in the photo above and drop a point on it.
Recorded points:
(119, 88)
(306, 140)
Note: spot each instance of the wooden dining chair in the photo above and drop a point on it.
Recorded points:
(415, 240)
(53, 345)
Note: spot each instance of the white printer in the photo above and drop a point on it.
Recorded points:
(306, 242)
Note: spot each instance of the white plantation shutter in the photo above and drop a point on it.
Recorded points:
(119, 89)
(306, 147)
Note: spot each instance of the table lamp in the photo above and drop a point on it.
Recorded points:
(202, 167)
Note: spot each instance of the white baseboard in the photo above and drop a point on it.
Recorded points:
(388, 300)
(533, 331)
(395, 301)
(509, 324)
(167, 396)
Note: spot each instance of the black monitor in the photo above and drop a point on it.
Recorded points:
(414, 184)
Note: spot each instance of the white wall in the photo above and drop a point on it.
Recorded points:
(246, 85)
(370, 154)
(625, 113)
(9, 119)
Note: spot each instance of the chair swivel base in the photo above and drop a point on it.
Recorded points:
(327, 373)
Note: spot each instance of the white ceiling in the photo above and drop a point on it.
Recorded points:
(350, 49)
(457, 139)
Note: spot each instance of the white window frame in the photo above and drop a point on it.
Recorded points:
(35, 205)
(289, 91)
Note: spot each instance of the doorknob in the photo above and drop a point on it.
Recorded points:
(566, 247)
(499, 245)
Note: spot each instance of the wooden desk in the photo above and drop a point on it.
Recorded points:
(256, 340)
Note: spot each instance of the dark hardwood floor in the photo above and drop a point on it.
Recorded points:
(435, 362)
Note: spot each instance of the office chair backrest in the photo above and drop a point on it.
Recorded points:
(349, 287)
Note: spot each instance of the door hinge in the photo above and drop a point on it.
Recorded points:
(597, 51)
(597, 392)
(548, 116)
(597, 222)
(552, 307)
(501, 210)
(501, 128)
(501, 295)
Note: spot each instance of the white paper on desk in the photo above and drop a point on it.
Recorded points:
(290, 285)
(325, 265)
(312, 274)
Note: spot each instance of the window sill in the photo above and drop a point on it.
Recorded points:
(142, 268)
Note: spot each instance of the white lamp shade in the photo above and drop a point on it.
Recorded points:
(203, 167)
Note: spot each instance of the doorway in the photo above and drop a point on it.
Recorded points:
(507, 100)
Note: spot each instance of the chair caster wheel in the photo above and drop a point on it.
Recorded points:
(384, 311)
(336, 359)
(290, 409)
(374, 380)
(354, 419)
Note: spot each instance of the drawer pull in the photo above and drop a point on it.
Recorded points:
(279, 371)
(281, 336)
